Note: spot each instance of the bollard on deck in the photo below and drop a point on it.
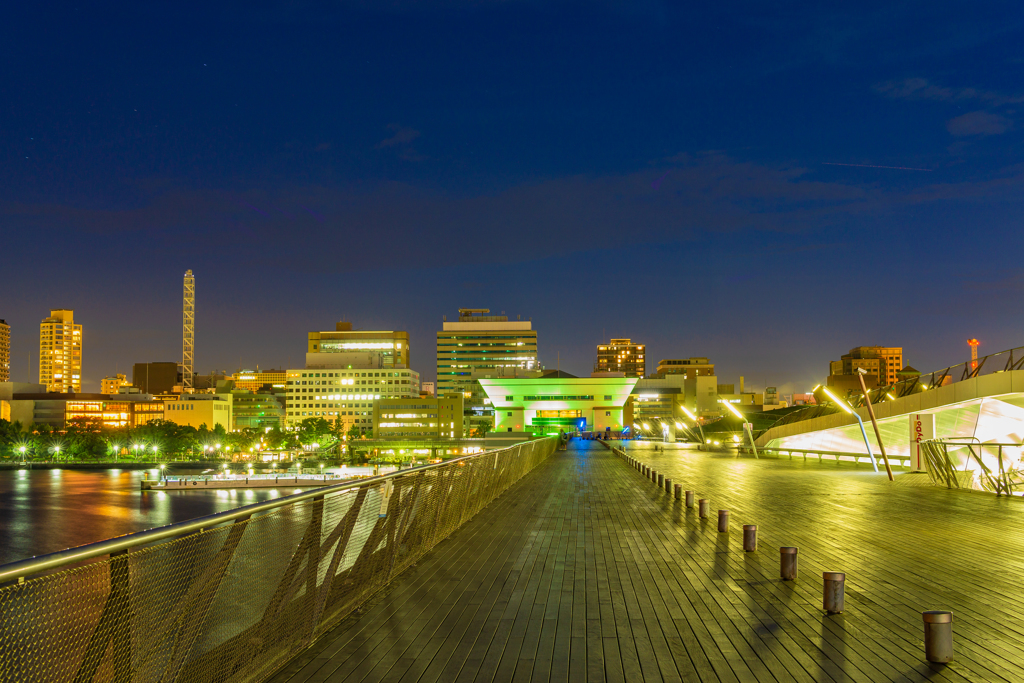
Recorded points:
(938, 636)
(668, 485)
(749, 538)
(789, 562)
(723, 521)
(702, 507)
(677, 491)
(689, 499)
(834, 595)
(661, 480)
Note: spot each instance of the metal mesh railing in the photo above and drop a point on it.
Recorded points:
(969, 463)
(237, 598)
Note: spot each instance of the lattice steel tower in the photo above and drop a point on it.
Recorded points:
(188, 331)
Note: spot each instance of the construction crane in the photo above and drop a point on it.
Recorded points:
(973, 343)
(188, 332)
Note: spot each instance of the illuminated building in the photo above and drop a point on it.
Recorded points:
(196, 410)
(881, 364)
(418, 418)
(111, 385)
(256, 410)
(5, 351)
(480, 344)
(548, 405)
(345, 395)
(621, 355)
(690, 367)
(255, 380)
(60, 352)
(392, 346)
(85, 410)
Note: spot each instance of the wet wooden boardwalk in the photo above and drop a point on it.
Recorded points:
(585, 571)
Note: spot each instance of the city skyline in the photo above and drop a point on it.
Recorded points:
(575, 362)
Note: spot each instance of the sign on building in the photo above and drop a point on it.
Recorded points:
(922, 428)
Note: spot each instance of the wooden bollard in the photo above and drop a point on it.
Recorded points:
(789, 562)
(834, 595)
(723, 521)
(938, 636)
(654, 476)
(749, 538)
(677, 491)
(702, 507)
(661, 480)
(689, 499)
(668, 485)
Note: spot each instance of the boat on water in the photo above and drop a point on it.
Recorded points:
(198, 482)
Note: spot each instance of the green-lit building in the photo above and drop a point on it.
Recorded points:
(547, 405)
(257, 410)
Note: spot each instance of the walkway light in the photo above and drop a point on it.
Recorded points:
(22, 449)
(891, 397)
(733, 410)
(647, 426)
(848, 409)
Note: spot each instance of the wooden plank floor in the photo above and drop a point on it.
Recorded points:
(585, 571)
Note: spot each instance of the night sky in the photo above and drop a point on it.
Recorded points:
(766, 184)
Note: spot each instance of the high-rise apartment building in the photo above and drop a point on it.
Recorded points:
(391, 346)
(110, 385)
(621, 355)
(5, 351)
(482, 342)
(60, 352)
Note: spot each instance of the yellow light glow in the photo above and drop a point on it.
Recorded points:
(835, 399)
(688, 413)
(891, 397)
(646, 426)
(679, 425)
(733, 410)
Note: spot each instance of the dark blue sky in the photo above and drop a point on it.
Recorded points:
(702, 179)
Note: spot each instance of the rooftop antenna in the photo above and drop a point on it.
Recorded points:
(973, 343)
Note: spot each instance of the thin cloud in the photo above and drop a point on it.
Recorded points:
(923, 89)
(978, 123)
(402, 136)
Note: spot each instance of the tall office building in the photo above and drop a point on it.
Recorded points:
(5, 351)
(884, 362)
(60, 352)
(482, 342)
(392, 347)
(621, 355)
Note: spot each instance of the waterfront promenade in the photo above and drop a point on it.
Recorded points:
(585, 571)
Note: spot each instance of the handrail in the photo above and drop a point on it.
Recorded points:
(22, 568)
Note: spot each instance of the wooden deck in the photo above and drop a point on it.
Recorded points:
(585, 571)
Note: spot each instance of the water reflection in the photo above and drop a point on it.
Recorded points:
(42, 511)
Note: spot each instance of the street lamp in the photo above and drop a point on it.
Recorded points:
(695, 421)
(162, 472)
(863, 432)
(747, 428)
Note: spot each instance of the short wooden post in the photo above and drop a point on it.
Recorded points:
(749, 538)
(702, 507)
(938, 636)
(661, 480)
(668, 485)
(678, 491)
(789, 562)
(689, 499)
(834, 595)
(723, 521)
